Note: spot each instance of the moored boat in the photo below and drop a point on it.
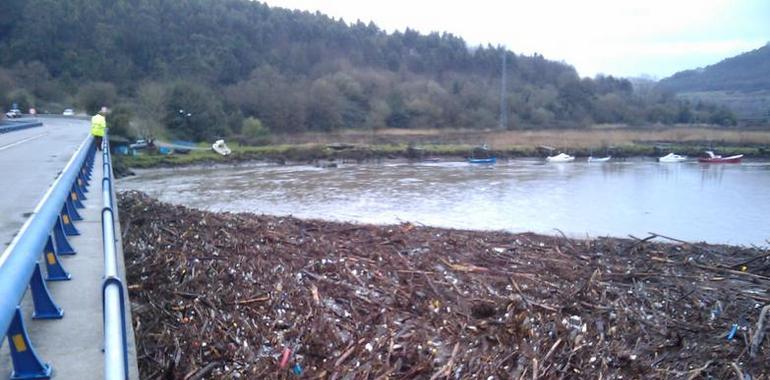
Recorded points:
(717, 159)
(599, 159)
(671, 157)
(561, 157)
(488, 160)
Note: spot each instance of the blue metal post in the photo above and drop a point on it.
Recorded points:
(75, 199)
(26, 363)
(45, 308)
(73, 212)
(79, 191)
(66, 221)
(54, 270)
(61, 244)
(82, 182)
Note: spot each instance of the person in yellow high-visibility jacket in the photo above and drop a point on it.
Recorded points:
(98, 125)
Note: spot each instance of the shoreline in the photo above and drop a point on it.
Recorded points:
(310, 154)
(366, 300)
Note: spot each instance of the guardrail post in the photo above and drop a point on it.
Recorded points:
(26, 363)
(74, 198)
(79, 191)
(82, 182)
(61, 244)
(54, 270)
(69, 228)
(86, 171)
(45, 308)
(73, 212)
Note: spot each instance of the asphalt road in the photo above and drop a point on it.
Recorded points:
(30, 160)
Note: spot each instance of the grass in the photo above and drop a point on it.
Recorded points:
(620, 141)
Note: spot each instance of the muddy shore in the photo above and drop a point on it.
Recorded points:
(320, 154)
(220, 295)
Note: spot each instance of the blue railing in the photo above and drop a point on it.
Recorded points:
(115, 337)
(43, 236)
(12, 125)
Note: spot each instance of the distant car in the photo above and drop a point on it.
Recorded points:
(139, 144)
(13, 113)
(68, 112)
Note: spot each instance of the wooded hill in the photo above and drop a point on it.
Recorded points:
(745, 72)
(198, 69)
(741, 83)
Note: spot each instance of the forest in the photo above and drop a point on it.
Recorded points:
(204, 69)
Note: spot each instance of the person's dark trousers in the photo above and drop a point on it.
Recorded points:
(98, 140)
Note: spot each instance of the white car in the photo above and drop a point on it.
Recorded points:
(68, 112)
(13, 113)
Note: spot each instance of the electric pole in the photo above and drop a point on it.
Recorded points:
(503, 106)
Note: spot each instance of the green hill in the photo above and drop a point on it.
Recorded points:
(745, 72)
(741, 83)
(197, 69)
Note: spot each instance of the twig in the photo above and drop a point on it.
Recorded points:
(252, 300)
(446, 370)
(737, 370)
(759, 334)
(694, 373)
(201, 373)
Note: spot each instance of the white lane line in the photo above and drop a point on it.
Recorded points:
(22, 141)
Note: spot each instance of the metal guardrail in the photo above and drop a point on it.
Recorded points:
(113, 296)
(43, 235)
(13, 125)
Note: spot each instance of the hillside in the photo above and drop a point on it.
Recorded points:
(745, 72)
(741, 83)
(209, 68)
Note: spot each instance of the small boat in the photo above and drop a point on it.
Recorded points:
(561, 157)
(481, 155)
(489, 160)
(599, 159)
(717, 159)
(671, 157)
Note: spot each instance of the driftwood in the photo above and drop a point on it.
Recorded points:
(221, 296)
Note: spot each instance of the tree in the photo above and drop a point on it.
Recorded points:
(119, 121)
(194, 112)
(93, 96)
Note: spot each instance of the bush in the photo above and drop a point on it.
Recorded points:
(253, 132)
(119, 121)
(93, 96)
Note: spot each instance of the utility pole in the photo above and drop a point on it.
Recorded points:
(503, 106)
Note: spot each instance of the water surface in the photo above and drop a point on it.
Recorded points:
(691, 201)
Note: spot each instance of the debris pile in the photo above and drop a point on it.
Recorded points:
(220, 295)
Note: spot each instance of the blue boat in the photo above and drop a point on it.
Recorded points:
(490, 160)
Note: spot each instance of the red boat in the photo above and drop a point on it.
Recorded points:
(717, 159)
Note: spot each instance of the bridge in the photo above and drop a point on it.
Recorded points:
(64, 310)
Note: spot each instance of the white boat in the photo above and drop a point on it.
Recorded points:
(220, 147)
(561, 157)
(671, 157)
(599, 159)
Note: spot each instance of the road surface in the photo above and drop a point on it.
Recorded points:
(30, 159)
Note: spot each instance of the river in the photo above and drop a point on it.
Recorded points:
(695, 202)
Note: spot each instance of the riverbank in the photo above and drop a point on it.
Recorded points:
(224, 295)
(360, 146)
(309, 153)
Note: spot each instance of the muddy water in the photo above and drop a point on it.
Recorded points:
(714, 203)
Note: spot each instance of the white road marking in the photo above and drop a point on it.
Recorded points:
(22, 141)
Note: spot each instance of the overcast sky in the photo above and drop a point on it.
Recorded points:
(617, 37)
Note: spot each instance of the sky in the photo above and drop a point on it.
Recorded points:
(626, 38)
